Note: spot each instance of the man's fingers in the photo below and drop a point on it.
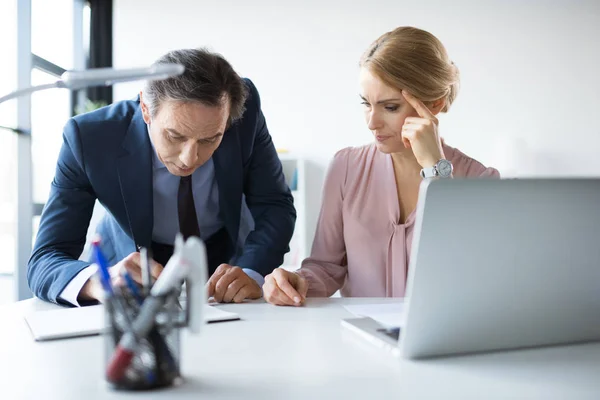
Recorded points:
(210, 285)
(132, 269)
(418, 105)
(242, 294)
(223, 283)
(210, 288)
(155, 269)
(132, 263)
(118, 281)
(233, 289)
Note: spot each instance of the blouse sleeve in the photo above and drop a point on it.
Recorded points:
(326, 268)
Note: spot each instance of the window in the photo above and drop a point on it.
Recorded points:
(8, 66)
(54, 34)
(50, 110)
(52, 44)
(8, 148)
(52, 31)
(8, 201)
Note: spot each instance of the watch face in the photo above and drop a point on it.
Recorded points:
(444, 168)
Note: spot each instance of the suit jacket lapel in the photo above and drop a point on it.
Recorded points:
(135, 179)
(228, 172)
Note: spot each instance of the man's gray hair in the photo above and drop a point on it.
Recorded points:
(208, 79)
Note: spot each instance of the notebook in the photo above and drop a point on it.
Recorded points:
(84, 321)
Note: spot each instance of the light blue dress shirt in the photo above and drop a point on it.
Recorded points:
(206, 200)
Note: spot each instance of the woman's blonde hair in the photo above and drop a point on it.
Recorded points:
(413, 59)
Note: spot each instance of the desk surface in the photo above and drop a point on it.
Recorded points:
(292, 353)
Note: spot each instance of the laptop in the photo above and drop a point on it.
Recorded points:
(497, 265)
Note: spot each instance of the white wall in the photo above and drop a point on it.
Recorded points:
(530, 72)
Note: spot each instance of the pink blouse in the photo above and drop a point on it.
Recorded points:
(360, 247)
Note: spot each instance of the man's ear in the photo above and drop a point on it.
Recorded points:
(437, 105)
(145, 110)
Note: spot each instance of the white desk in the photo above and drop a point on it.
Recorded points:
(292, 353)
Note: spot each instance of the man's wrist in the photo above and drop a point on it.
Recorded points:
(71, 293)
(90, 291)
(258, 278)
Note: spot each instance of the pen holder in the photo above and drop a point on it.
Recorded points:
(156, 357)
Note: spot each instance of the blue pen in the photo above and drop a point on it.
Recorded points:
(132, 287)
(102, 267)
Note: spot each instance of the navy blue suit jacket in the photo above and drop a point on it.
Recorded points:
(107, 155)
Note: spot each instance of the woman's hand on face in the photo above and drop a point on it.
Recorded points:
(421, 133)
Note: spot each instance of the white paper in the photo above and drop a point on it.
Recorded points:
(388, 314)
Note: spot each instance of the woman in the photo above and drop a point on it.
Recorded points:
(363, 240)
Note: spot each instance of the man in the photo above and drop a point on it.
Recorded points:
(179, 158)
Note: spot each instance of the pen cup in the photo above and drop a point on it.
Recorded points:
(155, 360)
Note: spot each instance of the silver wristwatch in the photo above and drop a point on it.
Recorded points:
(442, 169)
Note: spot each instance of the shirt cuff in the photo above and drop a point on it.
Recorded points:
(71, 291)
(254, 275)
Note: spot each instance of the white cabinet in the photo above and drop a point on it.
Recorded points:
(294, 170)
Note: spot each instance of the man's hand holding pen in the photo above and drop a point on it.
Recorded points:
(92, 290)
